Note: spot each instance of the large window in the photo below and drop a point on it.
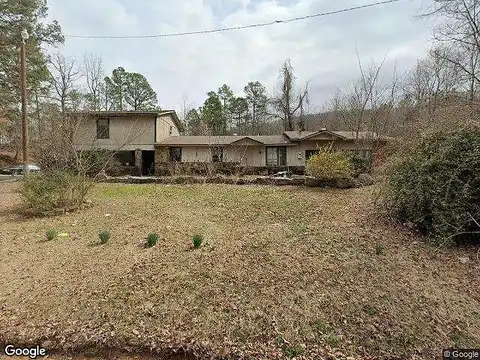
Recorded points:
(276, 156)
(310, 153)
(176, 154)
(103, 129)
(217, 154)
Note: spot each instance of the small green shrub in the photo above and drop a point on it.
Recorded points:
(197, 241)
(328, 165)
(379, 249)
(51, 234)
(434, 184)
(152, 239)
(46, 192)
(104, 236)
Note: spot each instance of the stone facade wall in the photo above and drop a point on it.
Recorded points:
(249, 180)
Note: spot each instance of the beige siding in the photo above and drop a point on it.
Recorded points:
(255, 155)
(127, 133)
(196, 154)
(165, 123)
(248, 156)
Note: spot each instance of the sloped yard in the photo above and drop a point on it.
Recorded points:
(283, 272)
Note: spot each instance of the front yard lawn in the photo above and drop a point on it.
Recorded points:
(281, 272)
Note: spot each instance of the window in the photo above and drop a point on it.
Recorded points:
(276, 156)
(176, 154)
(171, 130)
(217, 154)
(103, 129)
(310, 153)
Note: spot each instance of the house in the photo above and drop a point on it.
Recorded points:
(290, 149)
(150, 140)
(131, 134)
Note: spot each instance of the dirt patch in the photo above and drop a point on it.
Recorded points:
(283, 272)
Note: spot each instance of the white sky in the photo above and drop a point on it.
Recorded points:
(322, 50)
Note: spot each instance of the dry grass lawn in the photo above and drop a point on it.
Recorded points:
(283, 272)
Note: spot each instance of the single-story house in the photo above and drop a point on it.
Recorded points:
(290, 149)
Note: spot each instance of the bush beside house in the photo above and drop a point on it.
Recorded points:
(329, 168)
(435, 185)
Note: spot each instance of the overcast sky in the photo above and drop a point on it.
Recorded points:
(322, 50)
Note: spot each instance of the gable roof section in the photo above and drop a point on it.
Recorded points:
(246, 138)
(341, 135)
(174, 115)
(297, 135)
(304, 135)
(333, 134)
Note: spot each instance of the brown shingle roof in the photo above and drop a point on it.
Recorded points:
(347, 135)
(222, 140)
(288, 138)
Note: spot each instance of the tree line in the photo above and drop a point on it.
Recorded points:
(448, 76)
(253, 112)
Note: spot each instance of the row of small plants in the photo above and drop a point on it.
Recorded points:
(152, 238)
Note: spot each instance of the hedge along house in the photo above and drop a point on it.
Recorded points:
(291, 149)
(130, 134)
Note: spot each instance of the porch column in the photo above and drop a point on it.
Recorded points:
(138, 160)
(161, 160)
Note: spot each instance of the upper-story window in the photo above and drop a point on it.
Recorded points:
(103, 129)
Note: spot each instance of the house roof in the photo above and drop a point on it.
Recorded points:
(345, 135)
(286, 139)
(223, 140)
(132, 114)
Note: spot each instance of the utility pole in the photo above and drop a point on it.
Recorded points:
(23, 75)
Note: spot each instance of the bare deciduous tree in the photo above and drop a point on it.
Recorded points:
(288, 100)
(356, 105)
(431, 83)
(94, 76)
(459, 37)
(64, 74)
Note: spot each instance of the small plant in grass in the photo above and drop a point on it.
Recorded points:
(197, 241)
(372, 311)
(379, 248)
(51, 234)
(104, 236)
(152, 239)
(322, 326)
(332, 339)
(294, 351)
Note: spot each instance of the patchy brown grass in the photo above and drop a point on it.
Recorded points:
(283, 272)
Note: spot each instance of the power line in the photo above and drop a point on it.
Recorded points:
(236, 27)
